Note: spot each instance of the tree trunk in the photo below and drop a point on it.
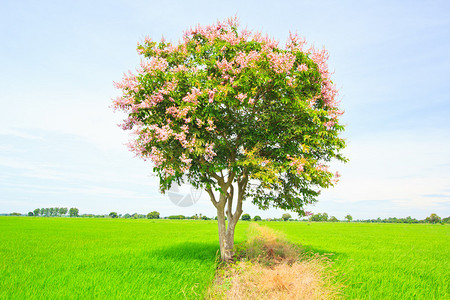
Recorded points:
(226, 235)
(226, 229)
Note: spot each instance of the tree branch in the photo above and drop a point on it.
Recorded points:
(212, 197)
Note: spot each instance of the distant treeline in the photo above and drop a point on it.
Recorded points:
(319, 217)
(433, 218)
(52, 212)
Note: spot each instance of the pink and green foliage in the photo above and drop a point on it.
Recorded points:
(230, 106)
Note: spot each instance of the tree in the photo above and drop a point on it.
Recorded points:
(320, 217)
(349, 217)
(246, 217)
(153, 215)
(73, 212)
(230, 112)
(37, 212)
(333, 219)
(30, 214)
(257, 218)
(433, 219)
(63, 211)
(177, 217)
(286, 216)
(113, 215)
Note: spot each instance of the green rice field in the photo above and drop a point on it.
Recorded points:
(73, 258)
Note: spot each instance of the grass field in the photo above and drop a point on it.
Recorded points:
(381, 261)
(48, 258)
(54, 258)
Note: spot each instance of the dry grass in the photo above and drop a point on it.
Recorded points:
(272, 268)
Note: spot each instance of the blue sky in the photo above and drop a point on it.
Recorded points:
(60, 145)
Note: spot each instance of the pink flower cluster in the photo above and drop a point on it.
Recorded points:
(129, 122)
(281, 62)
(267, 42)
(297, 163)
(209, 152)
(302, 68)
(170, 86)
(329, 124)
(295, 42)
(211, 126)
(180, 68)
(241, 97)
(329, 90)
(157, 157)
(192, 96)
(322, 168)
(247, 59)
(151, 100)
(161, 133)
(224, 65)
(336, 178)
(211, 94)
(123, 102)
(178, 113)
(221, 30)
(129, 82)
(153, 64)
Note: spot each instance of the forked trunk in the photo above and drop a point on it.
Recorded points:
(226, 236)
(224, 204)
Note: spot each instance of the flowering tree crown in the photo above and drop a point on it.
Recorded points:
(226, 104)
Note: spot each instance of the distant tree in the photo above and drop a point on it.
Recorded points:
(333, 219)
(446, 220)
(257, 218)
(127, 216)
(63, 211)
(15, 214)
(286, 216)
(42, 213)
(37, 212)
(246, 217)
(153, 215)
(205, 218)
(73, 212)
(113, 214)
(177, 217)
(320, 217)
(51, 211)
(349, 218)
(433, 219)
(30, 214)
(315, 217)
